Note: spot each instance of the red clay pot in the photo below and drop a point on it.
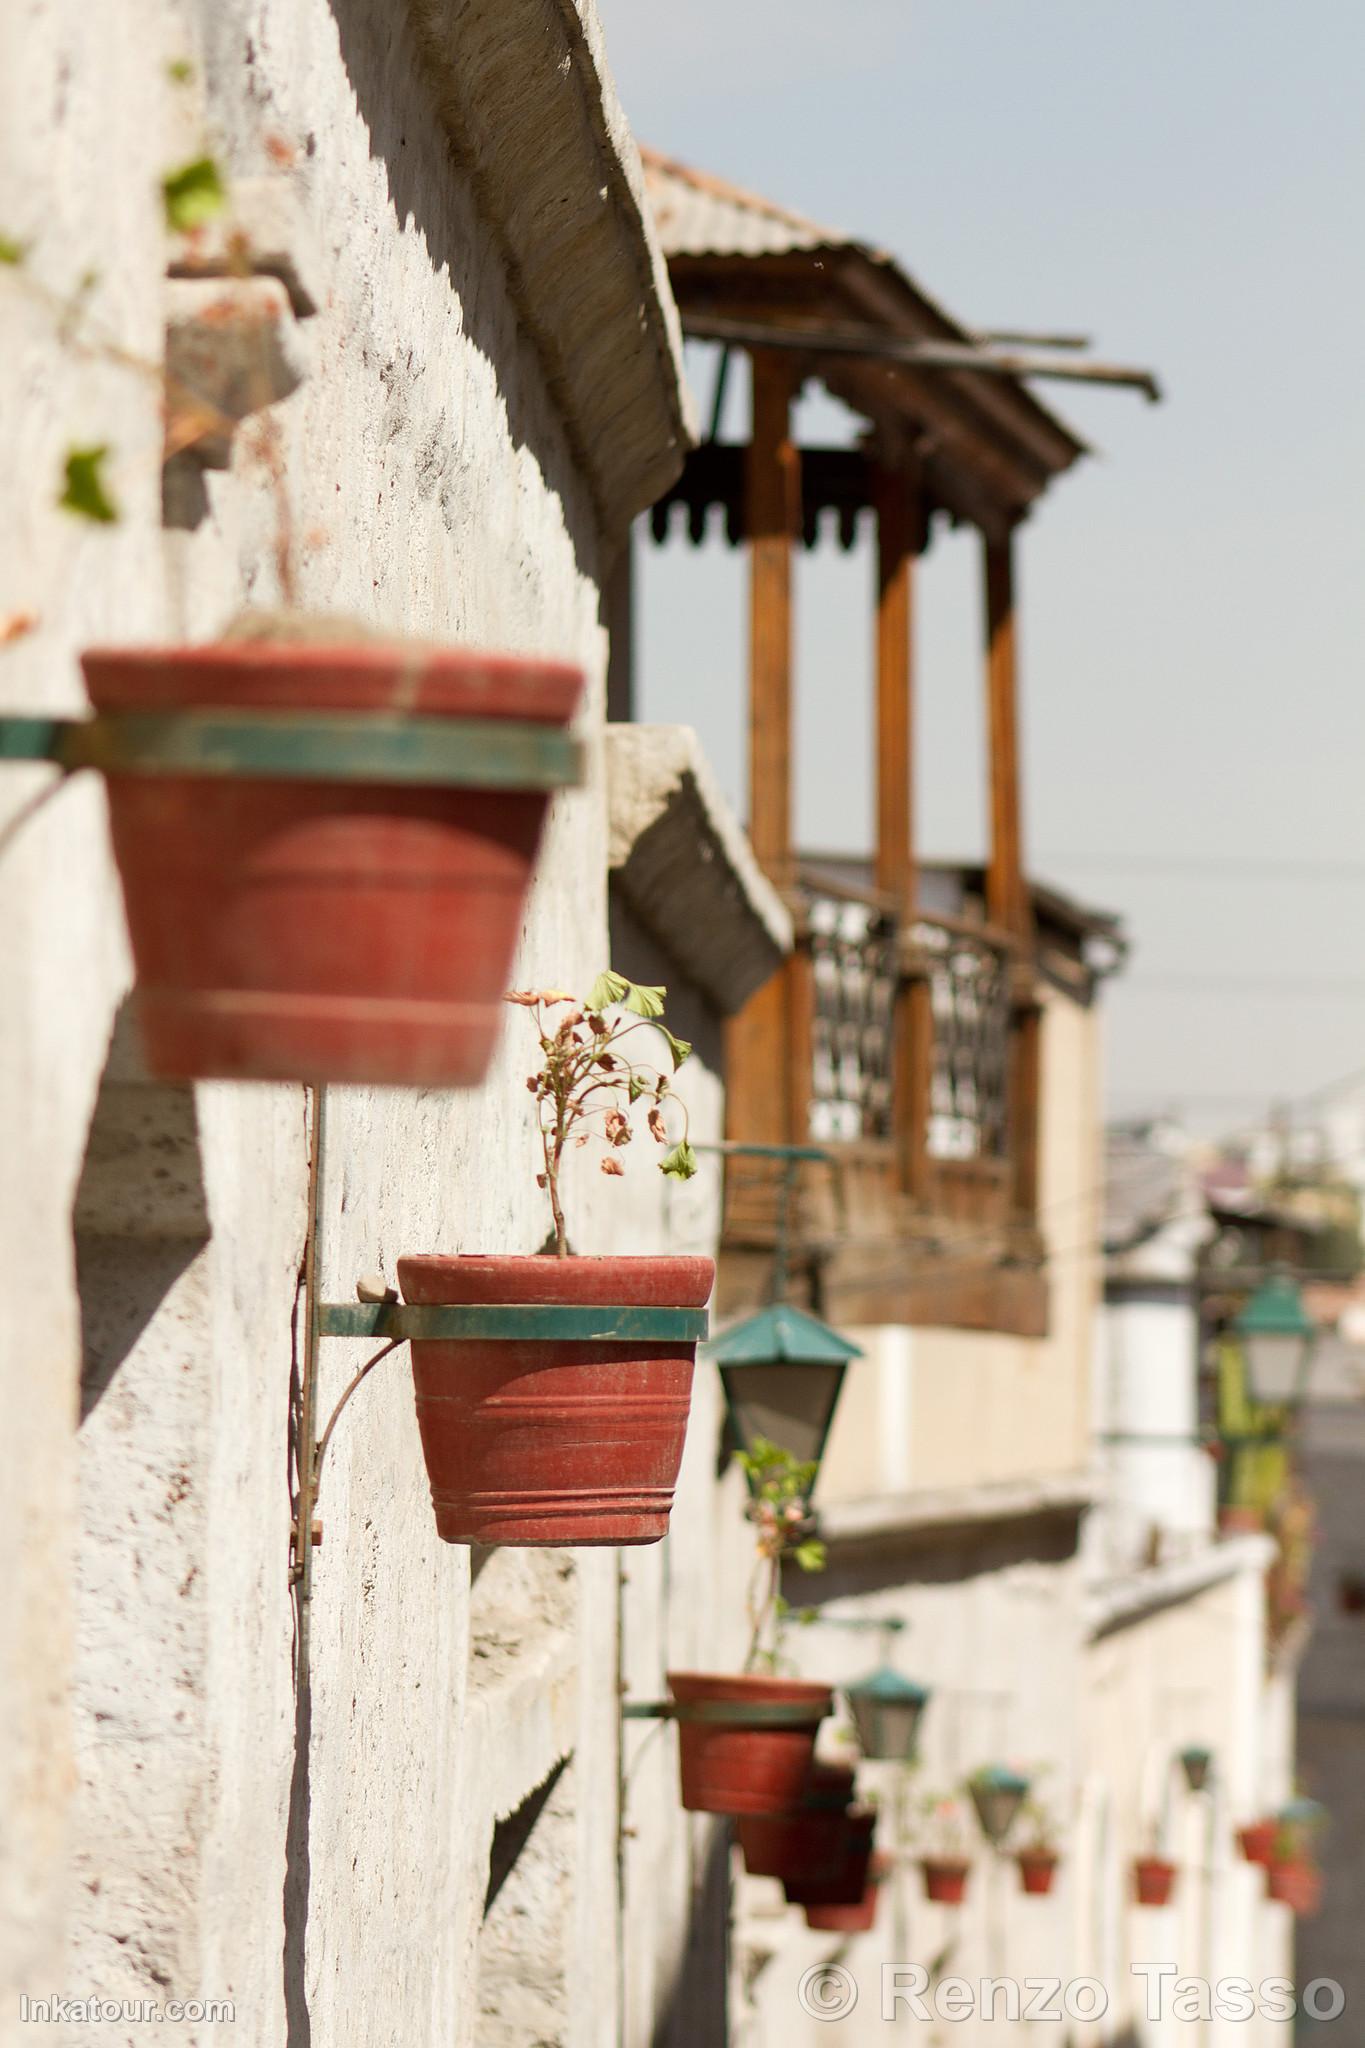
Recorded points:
(728, 1767)
(854, 1916)
(1257, 1841)
(945, 1879)
(1037, 1868)
(1153, 1880)
(811, 1838)
(543, 1442)
(324, 931)
(842, 1882)
(1295, 1882)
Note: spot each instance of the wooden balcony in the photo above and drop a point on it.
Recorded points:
(911, 1052)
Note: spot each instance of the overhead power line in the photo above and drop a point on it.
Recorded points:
(1213, 867)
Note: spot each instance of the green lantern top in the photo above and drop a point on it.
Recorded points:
(783, 1335)
(886, 1688)
(1276, 1310)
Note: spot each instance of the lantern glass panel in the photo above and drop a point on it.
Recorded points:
(1275, 1367)
(791, 1405)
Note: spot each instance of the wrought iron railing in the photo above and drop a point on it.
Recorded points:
(854, 974)
(971, 1007)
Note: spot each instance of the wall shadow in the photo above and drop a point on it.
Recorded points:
(140, 1216)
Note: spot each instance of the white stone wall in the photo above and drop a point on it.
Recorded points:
(171, 1832)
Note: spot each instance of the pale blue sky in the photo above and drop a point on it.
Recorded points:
(1185, 180)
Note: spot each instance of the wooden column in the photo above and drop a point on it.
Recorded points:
(899, 522)
(772, 491)
(767, 1073)
(1006, 889)
(1007, 893)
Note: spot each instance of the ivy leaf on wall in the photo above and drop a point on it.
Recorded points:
(85, 492)
(193, 195)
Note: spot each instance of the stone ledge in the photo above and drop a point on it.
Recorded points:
(527, 100)
(676, 853)
(957, 1507)
(1115, 1602)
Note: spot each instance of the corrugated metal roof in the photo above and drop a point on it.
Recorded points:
(698, 216)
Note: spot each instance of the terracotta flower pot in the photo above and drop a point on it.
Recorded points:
(810, 1838)
(1257, 1841)
(759, 1765)
(539, 1441)
(856, 1916)
(945, 1879)
(286, 929)
(843, 1881)
(1153, 1880)
(1037, 1868)
(1296, 1882)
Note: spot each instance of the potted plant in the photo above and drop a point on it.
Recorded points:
(325, 836)
(541, 1439)
(1153, 1879)
(1257, 1841)
(945, 1860)
(286, 925)
(811, 1837)
(746, 1740)
(1037, 1854)
(1292, 1875)
(858, 1916)
(844, 1883)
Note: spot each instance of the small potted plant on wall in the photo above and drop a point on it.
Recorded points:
(845, 1887)
(552, 1440)
(810, 1837)
(1154, 1877)
(1037, 1854)
(1257, 1840)
(945, 1858)
(325, 834)
(852, 1916)
(1292, 1874)
(747, 1740)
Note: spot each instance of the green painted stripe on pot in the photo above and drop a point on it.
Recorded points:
(726, 1713)
(567, 1322)
(474, 753)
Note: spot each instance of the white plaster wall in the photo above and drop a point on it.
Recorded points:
(936, 1407)
(147, 1715)
(1191, 1674)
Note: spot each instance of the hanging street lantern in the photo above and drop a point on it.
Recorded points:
(782, 1371)
(1196, 1764)
(886, 1710)
(1277, 1336)
(997, 1795)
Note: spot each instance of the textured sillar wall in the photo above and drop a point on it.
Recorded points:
(172, 1830)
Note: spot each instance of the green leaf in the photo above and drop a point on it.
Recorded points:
(180, 71)
(645, 1002)
(193, 195)
(681, 1162)
(85, 493)
(636, 1087)
(607, 989)
(12, 251)
(810, 1555)
(680, 1048)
